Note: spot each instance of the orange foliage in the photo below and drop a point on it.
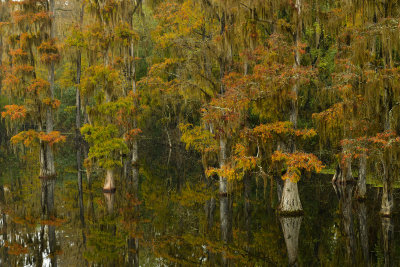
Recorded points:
(369, 146)
(54, 103)
(30, 136)
(15, 248)
(267, 131)
(132, 134)
(53, 221)
(52, 137)
(295, 162)
(14, 112)
(25, 137)
(23, 69)
(11, 81)
(49, 52)
(38, 85)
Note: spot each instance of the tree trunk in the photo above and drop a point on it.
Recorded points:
(290, 201)
(347, 173)
(387, 196)
(279, 188)
(337, 176)
(291, 229)
(78, 135)
(109, 184)
(223, 182)
(343, 172)
(47, 168)
(361, 191)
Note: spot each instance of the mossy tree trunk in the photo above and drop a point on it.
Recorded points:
(290, 200)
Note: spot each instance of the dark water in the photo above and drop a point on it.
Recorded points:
(176, 220)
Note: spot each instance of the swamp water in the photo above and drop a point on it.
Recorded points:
(176, 219)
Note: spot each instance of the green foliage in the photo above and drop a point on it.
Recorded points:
(198, 138)
(105, 146)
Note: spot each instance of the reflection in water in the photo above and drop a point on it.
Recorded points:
(363, 231)
(133, 239)
(48, 214)
(247, 210)
(109, 200)
(291, 229)
(344, 194)
(226, 224)
(4, 251)
(388, 237)
(184, 227)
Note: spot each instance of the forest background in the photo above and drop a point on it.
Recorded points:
(269, 90)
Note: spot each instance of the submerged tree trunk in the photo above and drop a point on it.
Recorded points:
(361, 190)
(291, 229)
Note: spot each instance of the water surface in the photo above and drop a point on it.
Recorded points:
(175, 219)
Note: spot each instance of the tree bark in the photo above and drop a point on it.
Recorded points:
(279, 187)
(387, 196)
(78, 136)
(290, 201)
(361, 191)
(47, 168)
(223, 182)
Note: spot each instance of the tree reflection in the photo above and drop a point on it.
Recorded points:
(291, 229)
(344, 193)
(388, 237)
